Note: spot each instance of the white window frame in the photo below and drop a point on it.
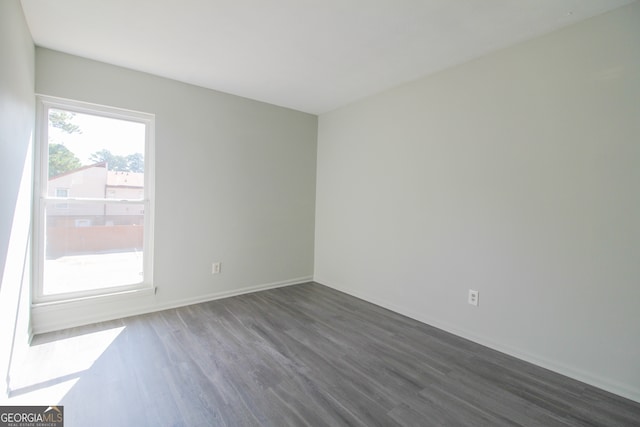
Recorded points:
(62, 205)
(41, 198)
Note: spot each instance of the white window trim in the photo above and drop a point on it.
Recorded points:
(44, 103)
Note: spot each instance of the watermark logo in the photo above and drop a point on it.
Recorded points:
(31, 416)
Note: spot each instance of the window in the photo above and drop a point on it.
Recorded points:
(83, 222)
(62, 192)
(94, 201)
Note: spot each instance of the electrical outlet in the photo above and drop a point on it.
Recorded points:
(216, 268)
(474, 297)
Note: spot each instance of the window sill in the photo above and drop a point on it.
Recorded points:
(105, 297)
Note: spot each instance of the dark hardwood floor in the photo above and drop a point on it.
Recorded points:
(308, 355)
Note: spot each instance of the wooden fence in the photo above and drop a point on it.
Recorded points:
(94, 239)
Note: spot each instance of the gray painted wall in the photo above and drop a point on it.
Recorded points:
(16, 128)
(235, 182)
(516, 175)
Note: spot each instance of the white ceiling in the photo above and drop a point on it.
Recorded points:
(309, 55)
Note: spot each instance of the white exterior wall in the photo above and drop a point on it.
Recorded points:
(84, 183)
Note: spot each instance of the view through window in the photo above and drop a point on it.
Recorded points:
(94, 201)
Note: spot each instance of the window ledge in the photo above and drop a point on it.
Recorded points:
(104, 297)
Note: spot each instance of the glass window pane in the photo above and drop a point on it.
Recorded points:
(95, 157)
(92, 245)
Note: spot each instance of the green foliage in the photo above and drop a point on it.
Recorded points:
(61, 160)
(130, 163)
(135, 162)
(62, 120)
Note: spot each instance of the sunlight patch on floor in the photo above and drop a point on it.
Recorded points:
(45, 395)
(49, 369)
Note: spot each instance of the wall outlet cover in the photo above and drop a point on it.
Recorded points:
(474, 297)
(216, 268)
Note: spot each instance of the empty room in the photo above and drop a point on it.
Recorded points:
(320, 213)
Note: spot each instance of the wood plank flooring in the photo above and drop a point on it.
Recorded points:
(308, 355)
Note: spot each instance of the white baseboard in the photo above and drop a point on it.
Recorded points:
(232, 293)
(53, 317)
(624, 390)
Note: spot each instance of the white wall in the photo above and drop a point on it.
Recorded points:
(235, 182)
(16, 128)
(517, 175)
